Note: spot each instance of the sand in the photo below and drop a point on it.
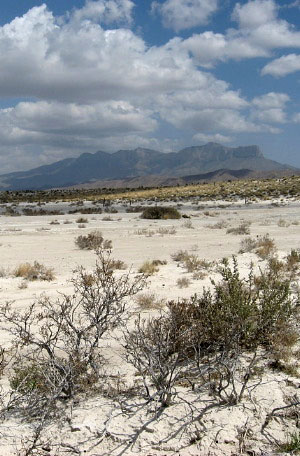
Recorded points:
(98, 425)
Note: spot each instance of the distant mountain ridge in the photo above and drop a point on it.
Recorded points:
(127, 164)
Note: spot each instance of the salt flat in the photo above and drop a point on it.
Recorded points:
(97, 425)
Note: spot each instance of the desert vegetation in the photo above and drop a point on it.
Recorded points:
(141, 354)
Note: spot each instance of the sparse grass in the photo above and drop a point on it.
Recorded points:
(36, 271)
(242, 229)
(183, 282)
(4, 272)
(218, 226)
(283, 223)
(162, 231)
(292, 445)
(145, 232)
(192, 263)
(188, 224)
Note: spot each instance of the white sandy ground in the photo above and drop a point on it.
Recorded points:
(98, 425)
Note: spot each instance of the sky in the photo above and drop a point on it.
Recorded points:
(87, 75)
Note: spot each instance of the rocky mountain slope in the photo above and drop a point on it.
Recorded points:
(124, 164)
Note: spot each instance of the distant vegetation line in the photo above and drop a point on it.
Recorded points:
(231, 190)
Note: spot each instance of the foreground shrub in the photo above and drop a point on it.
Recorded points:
(36, 271)
(58, 341)
(92, 241)
(217, 335)
(158, 212)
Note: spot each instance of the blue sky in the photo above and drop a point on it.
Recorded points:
(86, 75)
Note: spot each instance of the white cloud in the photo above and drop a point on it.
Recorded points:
(185, 14)
(282, 66)
(259, 32)
(202, 137)
(106, 11)
(296, 117)
(270, 108)
(271, 100)
(91, 88)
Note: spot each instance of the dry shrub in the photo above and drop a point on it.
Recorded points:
(243, 228)
(180, 255)
(148, 268)
(4, 272)
(82, 220)
(59, 341)
(183, 282)
(117, 264)
(218, 226)
(157, 212)
(192, 263)
(283, 223)
(93, 241)
(36, 271)
(263, 246)
(147, 301)
(188, 224)
(163, 230)
(293, 260)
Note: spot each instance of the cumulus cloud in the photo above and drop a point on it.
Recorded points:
(270, 108)
(282, 66)
(202, 137)
(184, 14)
(87, 88)
(106, 11)
(296, 118)
(259, 32)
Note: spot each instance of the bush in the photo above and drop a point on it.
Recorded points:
(243, 228)
(240, 313)
(148, 268)
(183, 282)
(36, 271)
(160, 213)
(92, 241)
(264, 246)
(82, 220)
(58, 342)
(148, 301)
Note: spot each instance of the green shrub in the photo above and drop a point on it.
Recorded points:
(240, 313)
(158, 212)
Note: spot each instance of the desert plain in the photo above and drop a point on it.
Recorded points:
(117, 422)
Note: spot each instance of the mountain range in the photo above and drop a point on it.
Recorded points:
(189, 164)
